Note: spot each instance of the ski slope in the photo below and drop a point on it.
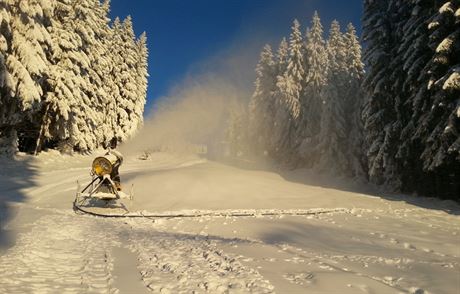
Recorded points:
(350, 238)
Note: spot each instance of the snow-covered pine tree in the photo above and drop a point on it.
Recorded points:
(26, 65)
(399, 13)
(5, 39)
(419, 111)
(315, 78)
(66, 99)
(262, 105)
(316, 61)
(440, 123)
(282, 56)
(288, 91)
(75, 115)
(379, 115)
(295, 72)
(116, 59)
(355, 66)
(336, 55)
(26, 60)
(141, 79)
(281, 119)
(99, 51)
(124, 72)
(101, 80)
(57, 82)
(413, 55)
(8, 136)
(332, 139)
(353, 108)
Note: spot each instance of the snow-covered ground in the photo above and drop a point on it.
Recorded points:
(350, 239)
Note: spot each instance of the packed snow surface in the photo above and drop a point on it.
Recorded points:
(255, 231)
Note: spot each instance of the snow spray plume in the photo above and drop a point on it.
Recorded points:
(197, 111)
(194, 116)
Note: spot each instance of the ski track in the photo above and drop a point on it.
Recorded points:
(64, 255)
(179, 263)
(59, 256)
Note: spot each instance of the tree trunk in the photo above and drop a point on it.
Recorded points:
(43, 127)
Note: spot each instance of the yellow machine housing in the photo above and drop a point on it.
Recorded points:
(103, 165)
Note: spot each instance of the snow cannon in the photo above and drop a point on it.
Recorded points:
(104, 165)
(104, 187)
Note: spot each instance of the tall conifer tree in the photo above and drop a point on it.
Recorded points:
(261, 107)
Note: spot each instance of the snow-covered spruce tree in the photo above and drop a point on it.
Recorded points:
(7, 136)
(282, 56)
(412, 56)
(101, 80)
(116, 59)
(96, 35)
(288, 91)
(439, 125)
(135, 106)
(353, 107)
(315, 65)
(26, 60)
(141, 79)
(57, 77)
(281, 118)
(67, 103)
(404, 57)
(399, 14)
(379, 115)
(262, 106)
(295, 69)
(124, 73)
(77, 104)
(332, 140)
(419, 113)
(25, 55)
(5, 40)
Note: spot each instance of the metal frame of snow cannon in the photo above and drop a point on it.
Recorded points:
(106, 189)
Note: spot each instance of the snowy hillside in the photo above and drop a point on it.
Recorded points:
(350, 238)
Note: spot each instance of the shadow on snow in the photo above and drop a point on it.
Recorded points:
(15, 176)
(312, 177)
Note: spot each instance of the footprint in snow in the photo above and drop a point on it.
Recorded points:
(409, 246)
(415, 290)
(300, 278)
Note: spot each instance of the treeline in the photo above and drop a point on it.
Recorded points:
(412, 111)
(397, 124)
(69, 77)
(306, 103)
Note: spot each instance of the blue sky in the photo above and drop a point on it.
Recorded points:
(183, 33)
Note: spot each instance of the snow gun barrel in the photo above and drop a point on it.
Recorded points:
(104, 165)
